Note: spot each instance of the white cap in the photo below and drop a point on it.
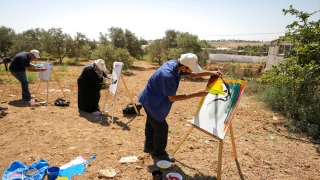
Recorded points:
(100, 63)
(191, 61)
(35, 53)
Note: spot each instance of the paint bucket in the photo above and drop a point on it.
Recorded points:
(173, 176)
(157, 175)
(53, 172)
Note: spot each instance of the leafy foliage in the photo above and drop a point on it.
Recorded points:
(155, 50)
(176, 43)
(6, 38)
(57, 43)
(26, 41)
(205, 44)
(253, 50)
(31, 76)
(112, 54)
(117, 37)
(133, 44)
(294, 85)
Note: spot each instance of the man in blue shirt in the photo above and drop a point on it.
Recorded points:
(158, 96)
(20, 63)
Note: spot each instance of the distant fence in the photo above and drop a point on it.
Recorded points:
(236, 58)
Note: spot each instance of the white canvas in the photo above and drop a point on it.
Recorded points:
(115, 77)
(45, 75)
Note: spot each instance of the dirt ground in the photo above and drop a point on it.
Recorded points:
(60, 134)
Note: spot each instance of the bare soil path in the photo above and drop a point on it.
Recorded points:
(60, 134)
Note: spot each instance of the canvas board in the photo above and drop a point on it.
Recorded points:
(45, 75)
(115, 77)
(215, 111)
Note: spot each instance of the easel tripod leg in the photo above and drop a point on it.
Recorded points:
(233, 143)
(220, 159)
(183, 139)
(58, 82)
(38, 87)
(114, 102)
(134, 105)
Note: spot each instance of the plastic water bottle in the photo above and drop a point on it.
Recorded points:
(105, 108)
(32, 103)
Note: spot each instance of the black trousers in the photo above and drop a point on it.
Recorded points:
(156, 134)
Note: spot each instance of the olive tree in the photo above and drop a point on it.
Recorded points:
(6, 39)
(57, 43)
(111, 54)
(27, 40)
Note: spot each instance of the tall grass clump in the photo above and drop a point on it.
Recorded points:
(72, 63)
(254, 88)
(32, 76)
(3, 69)
(62, 68)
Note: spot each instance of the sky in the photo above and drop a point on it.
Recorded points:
(261, 20)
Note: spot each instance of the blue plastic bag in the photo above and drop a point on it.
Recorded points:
(18, 171)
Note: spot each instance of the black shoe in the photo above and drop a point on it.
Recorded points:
(147, 150)
(166, 157)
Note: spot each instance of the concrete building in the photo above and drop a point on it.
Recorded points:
(276, 53)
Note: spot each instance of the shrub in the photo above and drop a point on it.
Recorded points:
(294, 91)
(32, 76)
(295, 83)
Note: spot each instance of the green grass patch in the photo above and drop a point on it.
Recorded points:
(145, 58)
(127, 72)
(32, 76)
(3, 80)
(62, 68)
(3, 69)
(254, 88)
(72, 63)
(56, 77)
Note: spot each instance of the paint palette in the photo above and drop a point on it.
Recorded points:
(43, 103)
(163, 164)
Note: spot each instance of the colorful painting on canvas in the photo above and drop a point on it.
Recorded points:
(215, 110)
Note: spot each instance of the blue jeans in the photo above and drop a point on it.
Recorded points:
(22, 78)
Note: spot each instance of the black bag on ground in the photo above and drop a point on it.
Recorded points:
(61, 102)
(129, 109)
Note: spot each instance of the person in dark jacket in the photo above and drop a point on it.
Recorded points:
(89, 86)
(20, 63)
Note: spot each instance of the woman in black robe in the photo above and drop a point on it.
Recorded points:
(89, 86)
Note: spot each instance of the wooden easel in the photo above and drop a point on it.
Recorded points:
(130, 97)
(55, 77)
(220, 146)
(211, 126)
(134, 105)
